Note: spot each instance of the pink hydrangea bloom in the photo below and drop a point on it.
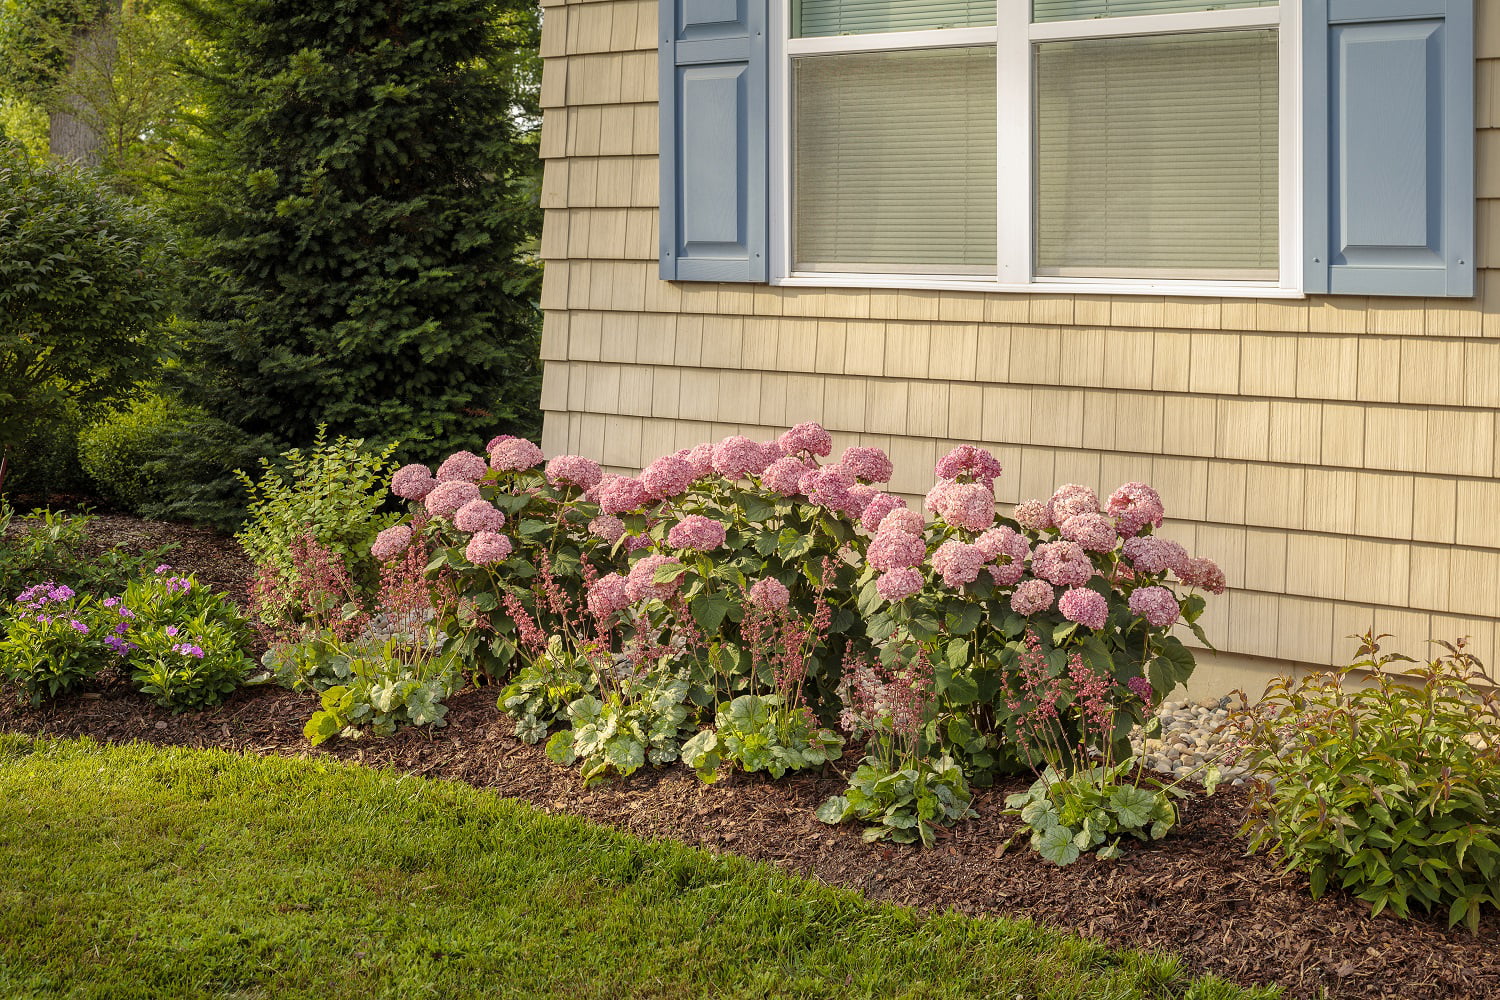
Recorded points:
(876, 508)
(868, 465)
(937, 497)
(1141, 688)
(1009, 550)
(701, 458)
(1204, 574)
(641, 585)
(807, 437)
(446, 498)
(514, 455)
(1070, 501)
(958, 562)
(496, 441)
(478, 515)
(486, 548)
(895, 550)
(574, 470)
(668, 476)
(860, 496)
(1155, 604)
(462, 465)
(1031, 598)
(829, 486)
(737, 457)
(634, 543)
(607, 527)
(621, 495)
(1033, 515)
(904, 521)
(970, 506)
(1063, 563)
(703, 534)
(784, 475)
(413, 482)
(971, 461)
(391, 542)
(1094, 532)
(608, 595)
(769, 594)
(1152, 554)
(1084, 606)
(1134, 506)
(899, 584)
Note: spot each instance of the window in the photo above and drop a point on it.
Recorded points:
(998, 143)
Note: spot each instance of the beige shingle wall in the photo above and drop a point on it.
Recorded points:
(1336, 455)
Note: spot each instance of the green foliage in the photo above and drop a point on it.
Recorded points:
(135, 457)
(388, 687)
(1078, 811)
(451, 890)
(758, 733)
(1391, 789)
(87, 280)
(37, 42)
(618, 736)
(361, 194)
(189, 666)
(54, 642)
(332, 492)
(543, 690)
(51, 545)
(44, 457)
(903, 805)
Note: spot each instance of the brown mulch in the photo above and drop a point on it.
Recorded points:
(217, 560)
(1195, 894)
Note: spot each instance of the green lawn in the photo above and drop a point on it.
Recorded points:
(159, 873)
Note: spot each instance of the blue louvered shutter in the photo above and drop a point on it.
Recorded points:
(1389, 146)
(714, 140)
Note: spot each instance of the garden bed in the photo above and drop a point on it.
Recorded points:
(1194, 894)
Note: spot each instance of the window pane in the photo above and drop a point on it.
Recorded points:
(894, 161)
(1158, 156)
(1078, 10)
(814, 18)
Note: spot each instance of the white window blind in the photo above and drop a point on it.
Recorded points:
(818, 18)
(1079, 10)
(894, 161)
(1157, 156)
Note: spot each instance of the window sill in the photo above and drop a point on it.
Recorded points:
(1045, 286)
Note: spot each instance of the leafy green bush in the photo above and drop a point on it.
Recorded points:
(152, 457)
(540, 694)
(1390, 790)
(387, 687)
(1078, 811)
(905, 804)
(87, 281)
(331, 493)
(189, 666)
(44, 458)
(639, 721)
(753, 732)
(54, 641)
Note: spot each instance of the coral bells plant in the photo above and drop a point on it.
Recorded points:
(1083, 799)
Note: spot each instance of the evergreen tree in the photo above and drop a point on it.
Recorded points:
(360, 205)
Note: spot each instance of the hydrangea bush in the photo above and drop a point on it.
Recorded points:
(614, 588)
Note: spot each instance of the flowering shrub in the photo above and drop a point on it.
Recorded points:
(1390, 790)
(50, 545)
(190, 666)
(54, 643)
(541, 693)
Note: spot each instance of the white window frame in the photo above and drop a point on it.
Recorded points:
(1015, 39)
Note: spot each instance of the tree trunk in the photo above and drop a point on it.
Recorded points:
(75, 133)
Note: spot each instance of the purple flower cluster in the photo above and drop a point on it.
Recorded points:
(829, 486)
(969, 462)
(1062, 563)
(958, 563)
(1152, 554)
(1084, 606)
(42, 594)
(478, 515)
(737, 456)
(1155, 604)
(1031, 597)
(784, 476)
(1093, 532)
(1134, 506)
(487, 548)
(574, 470)
(1204, 574)
(187, 649)
(876, 508)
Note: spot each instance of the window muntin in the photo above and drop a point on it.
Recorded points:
(1156, 156)
(894, 161)
(1018, 39)
(824, 18)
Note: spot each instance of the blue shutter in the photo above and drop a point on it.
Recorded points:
(714, 140)
(1388, 149)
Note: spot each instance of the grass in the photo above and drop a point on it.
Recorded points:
(158, 873)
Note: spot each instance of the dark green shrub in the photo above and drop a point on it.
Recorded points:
(52, 546)
(43, 460)
(87, 280)
(123, 453)
(361, 201)
(1390, 790)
